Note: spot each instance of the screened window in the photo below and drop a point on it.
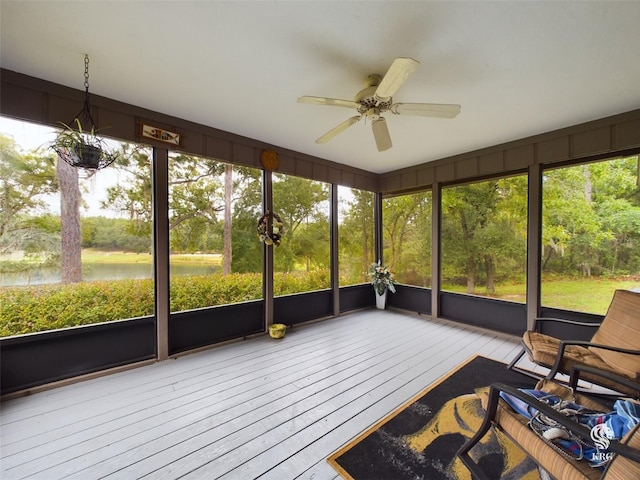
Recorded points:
(484, 233)
(355, 235)
(73, 252)
(590, 234)
(406, 226)
(215, 255)
(302, 260)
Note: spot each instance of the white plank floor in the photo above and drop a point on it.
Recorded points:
(260, 408)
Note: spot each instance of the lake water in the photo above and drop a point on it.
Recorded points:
(100, 271)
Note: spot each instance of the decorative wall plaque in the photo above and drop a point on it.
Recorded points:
(160, 134)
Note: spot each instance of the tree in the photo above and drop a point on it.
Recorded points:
(484, 231)
(406, 222)
(105, 233)
(133, 197)
(616, 197)
(355, 237)
(70, 234)
(228, 195)
(25, 180)
(212, 205)
(565, 214)
(301, 203)
(247, 208)
(466, 211)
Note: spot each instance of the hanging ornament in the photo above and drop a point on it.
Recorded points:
(270, 228)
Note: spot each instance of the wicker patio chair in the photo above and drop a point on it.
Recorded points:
(614, 347)
(624, 465)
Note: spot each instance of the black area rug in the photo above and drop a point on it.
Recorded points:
(419, 440)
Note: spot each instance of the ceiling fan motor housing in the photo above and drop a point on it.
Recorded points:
(367, 100)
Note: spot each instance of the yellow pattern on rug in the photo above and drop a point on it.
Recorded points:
(464, 415)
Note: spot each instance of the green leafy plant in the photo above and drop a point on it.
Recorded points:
(381, 278)
(81, 148)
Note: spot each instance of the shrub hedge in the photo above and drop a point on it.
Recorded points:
(46, 307)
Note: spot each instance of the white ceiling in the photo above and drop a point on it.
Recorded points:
(517, 68)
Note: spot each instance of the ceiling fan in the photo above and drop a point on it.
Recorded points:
(376, 99)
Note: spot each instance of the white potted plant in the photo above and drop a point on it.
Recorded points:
(382, 281)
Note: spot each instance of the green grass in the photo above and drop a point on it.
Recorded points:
(90, 255)
(197, 259)
(590, 295)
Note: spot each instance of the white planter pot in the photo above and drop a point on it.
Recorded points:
(381, 300)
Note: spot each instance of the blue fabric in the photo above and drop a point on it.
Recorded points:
(613, 425)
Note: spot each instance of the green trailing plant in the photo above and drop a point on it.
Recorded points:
(81, 148)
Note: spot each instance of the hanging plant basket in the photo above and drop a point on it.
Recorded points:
(270, 228)
(83, 148)
(87, 156)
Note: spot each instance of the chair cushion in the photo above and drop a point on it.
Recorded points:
(621, 468)
(543, 350)
(621, 327)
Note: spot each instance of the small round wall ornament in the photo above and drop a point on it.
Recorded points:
(270, 228)
(269, 159)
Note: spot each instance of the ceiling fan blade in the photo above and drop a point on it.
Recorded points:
(397, 74)
(336, 102)
(381, 134)
(339, 129)
(426, 109)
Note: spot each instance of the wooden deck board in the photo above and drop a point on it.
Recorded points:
(260, 408)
